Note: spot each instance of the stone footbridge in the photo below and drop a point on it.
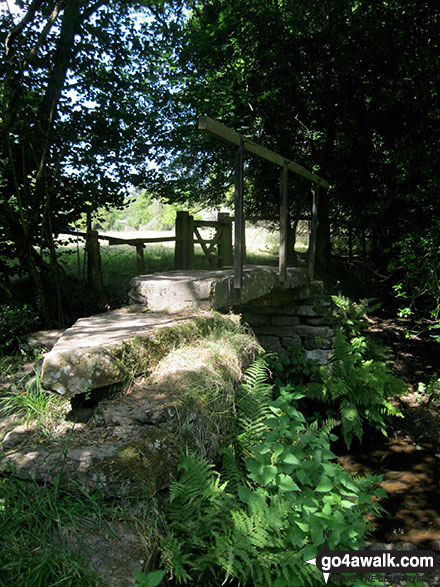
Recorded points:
(103, 349)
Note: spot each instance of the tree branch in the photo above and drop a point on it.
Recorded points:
(43, 35)
(35, 5)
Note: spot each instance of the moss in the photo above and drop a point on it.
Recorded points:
(142, 354)
(147, 463)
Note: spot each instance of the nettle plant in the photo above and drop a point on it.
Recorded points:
(267, 510)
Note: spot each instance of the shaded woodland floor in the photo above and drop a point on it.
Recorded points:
(410, 458)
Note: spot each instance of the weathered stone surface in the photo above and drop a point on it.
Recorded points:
(17, 436)
(132, 444)
(321, 356)
(118, 467)
(312, 331)
(108, 348)
(42, 340)
(279, 331)
(318, 342)
(175, 291)
(256, 319)
(270, 343)
(285, 321)
(288, 341)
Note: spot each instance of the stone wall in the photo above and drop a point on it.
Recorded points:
(304, 315)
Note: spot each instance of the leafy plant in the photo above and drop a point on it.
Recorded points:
(356, 390)
(258, 519)
(149, 580)
(15, 321)
(418, 255)
(431, 390)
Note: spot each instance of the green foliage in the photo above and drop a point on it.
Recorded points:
(151, 580)
(33, 404)
(351, 314)
(142, 211)
(257, 521)
(417, 254)
(356, 390)
(430, 391)
(15, 321)
(32, 517)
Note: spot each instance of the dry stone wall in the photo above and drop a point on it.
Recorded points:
(283, 318)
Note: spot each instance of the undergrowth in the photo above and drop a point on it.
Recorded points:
(33, 519)
(356, 389)
(266, 510)
(31, 404)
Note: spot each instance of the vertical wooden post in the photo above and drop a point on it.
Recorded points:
(190, 242)
(181, 248)
(312, 242)
(283, 224)
(239, 218)
(140, 258)
(94, 257)
(225, 251)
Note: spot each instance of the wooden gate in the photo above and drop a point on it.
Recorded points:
(217, 250)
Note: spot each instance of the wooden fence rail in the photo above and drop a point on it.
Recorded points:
(217, 250)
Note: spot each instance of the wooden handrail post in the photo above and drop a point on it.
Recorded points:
(283, 224)
(239, 242)
(225, 252)
(180, 251)
(94, 264)
(140, 263)
(312, 242)
(190, 242)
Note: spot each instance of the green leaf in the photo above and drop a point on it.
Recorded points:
(289, 458)
(324, 485)
(268, 474)
(151, 580)
(286, 483)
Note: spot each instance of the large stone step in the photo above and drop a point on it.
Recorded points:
(175, 291)
(109, 348)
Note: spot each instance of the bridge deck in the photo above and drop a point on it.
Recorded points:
(176, 291)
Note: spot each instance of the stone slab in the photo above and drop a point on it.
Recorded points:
(175, 291)
(109, 348)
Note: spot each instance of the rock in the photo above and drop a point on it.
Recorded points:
(285, 321)
(270, 343)
(132, 444)
(321, 356)
(43, 340)
(109, 348)
(124, 466)
(289, 341)
(19, 435)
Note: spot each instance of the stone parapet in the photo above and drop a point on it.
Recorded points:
(290, 317)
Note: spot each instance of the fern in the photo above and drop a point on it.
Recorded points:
(257, 520)
(357, 390)
(252, 405)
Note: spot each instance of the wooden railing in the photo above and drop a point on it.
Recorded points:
(243, 145)
(217, 250)
(93, 237)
